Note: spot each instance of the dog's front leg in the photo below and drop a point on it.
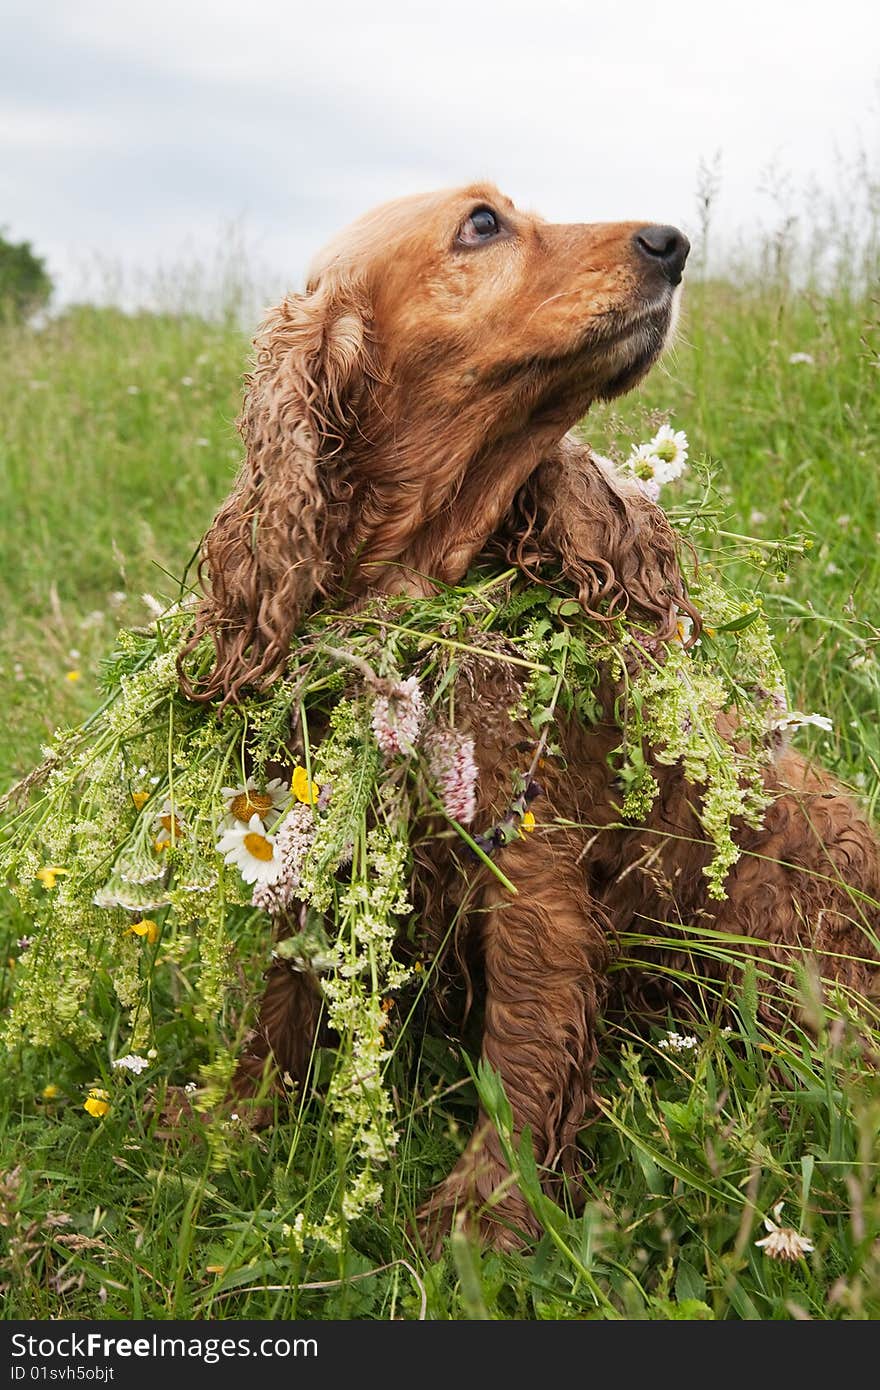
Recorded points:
(545, 954)
(282, 1042)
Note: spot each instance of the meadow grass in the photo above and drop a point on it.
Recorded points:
(116, 445)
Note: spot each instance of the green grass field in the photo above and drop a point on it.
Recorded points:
(116, 444)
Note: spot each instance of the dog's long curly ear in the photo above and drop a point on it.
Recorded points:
(279, 539)
(615, 547)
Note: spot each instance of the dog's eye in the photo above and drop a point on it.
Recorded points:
(481, 226)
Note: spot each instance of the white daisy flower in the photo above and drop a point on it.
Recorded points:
(644, 468)
(670, 448)
(783, 1243)
(252, 849)
(805, 357)
(643, 462)
(245, 801)
(132, 1062)
(167, 826)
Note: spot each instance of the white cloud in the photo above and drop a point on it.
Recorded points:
(135, 128)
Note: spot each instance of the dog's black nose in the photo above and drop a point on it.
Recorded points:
(667, 247)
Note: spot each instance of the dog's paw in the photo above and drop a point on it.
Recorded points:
(481, 1199)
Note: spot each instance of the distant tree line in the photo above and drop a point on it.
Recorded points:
(25, 285)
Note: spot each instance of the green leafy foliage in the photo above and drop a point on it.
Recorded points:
(25, 285)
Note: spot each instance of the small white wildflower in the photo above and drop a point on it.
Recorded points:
(670, 448)
(643, 462)
(168, 826)
(133, 390)
(679, 1042)
(783, 1243)
(246, 800)
(24, 943)
(186, 381)
(645, 469)
(132, 1062)
(805, 357)
(190, 1088)
(252, 849)
(398, 718)
(757, 518)
(117, 598)
(202, 442)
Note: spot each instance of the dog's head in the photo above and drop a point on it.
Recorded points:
(472, 300)
(444, 344)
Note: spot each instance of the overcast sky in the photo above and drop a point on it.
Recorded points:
(144, 130)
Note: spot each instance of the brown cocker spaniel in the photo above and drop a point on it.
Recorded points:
(406, 415)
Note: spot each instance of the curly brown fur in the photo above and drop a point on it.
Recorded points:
(406, 416)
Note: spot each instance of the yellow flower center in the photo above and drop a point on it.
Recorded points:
(171, 824)
(258, 846)
(248, 804)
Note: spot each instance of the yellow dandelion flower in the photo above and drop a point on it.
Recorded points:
(97, 1102)
(49, 874)
(302, 788)
(51, 1091)
(73, 676)
(145, 928)
(140, 799)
